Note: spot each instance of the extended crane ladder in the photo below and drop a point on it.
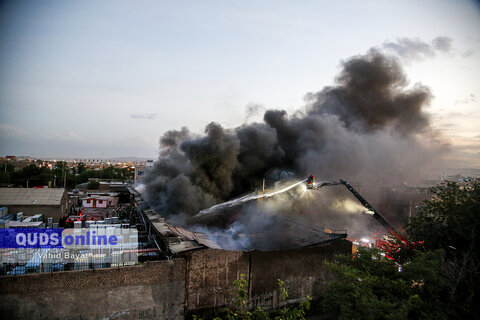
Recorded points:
(380, 218)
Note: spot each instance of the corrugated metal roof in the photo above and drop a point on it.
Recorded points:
(291, 234)
(179, 239)
(199, 237)
(28, 224)
(26, 196)
(183, 246)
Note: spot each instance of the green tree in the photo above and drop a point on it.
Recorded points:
(242, 312)
(109, 172)
(369, 286)
(450, 221)
(93, 185)
(36, 176)
(81, 167)
(287, 312)
(438, 280)
(6, 170)
(241, 304)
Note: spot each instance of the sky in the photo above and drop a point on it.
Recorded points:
(105, 79)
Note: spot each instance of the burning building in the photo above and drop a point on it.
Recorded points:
(370, 127)
(214, 260)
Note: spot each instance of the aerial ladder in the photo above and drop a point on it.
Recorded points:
(311, 185)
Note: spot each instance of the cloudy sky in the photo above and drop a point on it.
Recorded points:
(107, 78)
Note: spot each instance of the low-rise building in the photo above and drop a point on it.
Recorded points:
(51, 202)
(95, 202)
(139, 173)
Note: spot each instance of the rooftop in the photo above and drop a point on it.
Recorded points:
(26, 196)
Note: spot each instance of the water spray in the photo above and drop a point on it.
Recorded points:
(247, 198)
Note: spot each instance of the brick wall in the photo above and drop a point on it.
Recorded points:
(211, 274)
(199, 282)
(150, 291)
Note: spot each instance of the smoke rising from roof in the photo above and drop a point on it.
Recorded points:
(368, 127)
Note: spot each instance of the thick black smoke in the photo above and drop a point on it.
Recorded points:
(367, 128)
(371, 95)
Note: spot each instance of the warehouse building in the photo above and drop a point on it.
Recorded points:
(51, 202)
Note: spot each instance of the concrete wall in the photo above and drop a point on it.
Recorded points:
(150, 291)
(199, 282)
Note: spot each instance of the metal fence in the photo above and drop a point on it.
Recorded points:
(33, 260)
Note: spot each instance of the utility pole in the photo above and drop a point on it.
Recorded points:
(410, 211)
(64, 175)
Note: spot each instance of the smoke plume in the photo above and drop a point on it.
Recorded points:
(367, 128)
(414, 49)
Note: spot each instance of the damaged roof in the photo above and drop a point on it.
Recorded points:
(177, 239)
(291, 234)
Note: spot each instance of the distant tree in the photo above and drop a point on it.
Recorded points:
(40, 176)
(93, 185)
(109, 172)
(35, 176)
(6, 170)
(81, 167)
